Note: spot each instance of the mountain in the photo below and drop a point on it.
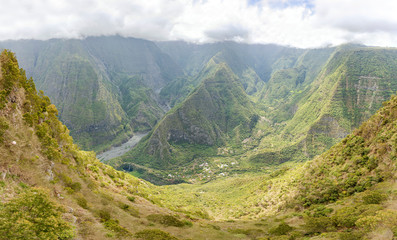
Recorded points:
(252, 63)
(314, 116)
(104, 87)
(217, 113)
(312, 100)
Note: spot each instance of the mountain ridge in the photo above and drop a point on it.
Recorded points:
(202, 119)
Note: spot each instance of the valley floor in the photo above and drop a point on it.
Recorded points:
(117, 151)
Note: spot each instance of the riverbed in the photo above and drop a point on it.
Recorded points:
(123, 148)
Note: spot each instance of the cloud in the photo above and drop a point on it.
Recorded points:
(299, 23)
(228, 33)
(364, 16)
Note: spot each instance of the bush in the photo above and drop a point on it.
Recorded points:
(321, 210)
(70, 185)
(32, 215)
(131, 198)
(82, 202)
(154, 234)
(113, 225)
(130, 209)
(373, 197)
(281, 229)
(346, 217)
(166, 220)
(124, 206)
(252, 233)
(318, 224)
(350, 235)
(104, 215)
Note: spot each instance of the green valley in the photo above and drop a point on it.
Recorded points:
(312, 100)
(348, 192)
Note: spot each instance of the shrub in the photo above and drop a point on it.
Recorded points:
(281, 229)
(154, 234)
(317, 224)
(373, 197)
(124, 206)
(131, 198)
(321, 210)
(32, 215)
(70, 185)
(82, 202)
(350, 235)
(384, 218)
(3, 127)
(346, 217)
(166, 220)
(252, 233)
(187, 223)
(113, 225)
(104, 215)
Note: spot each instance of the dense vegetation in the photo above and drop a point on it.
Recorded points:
(102, 98)
(217, 112)
(311, 100)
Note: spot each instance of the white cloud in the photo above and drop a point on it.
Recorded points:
(300, 23)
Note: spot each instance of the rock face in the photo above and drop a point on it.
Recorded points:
(211, 116)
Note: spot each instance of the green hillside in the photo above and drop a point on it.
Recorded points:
(215, 114)
(253, 64)
(313, 99)
(87, 101)
(105, 87)
(318, 113)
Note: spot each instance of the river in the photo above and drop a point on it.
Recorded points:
(123, 148)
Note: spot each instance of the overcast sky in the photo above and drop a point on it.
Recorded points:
(299, 23)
